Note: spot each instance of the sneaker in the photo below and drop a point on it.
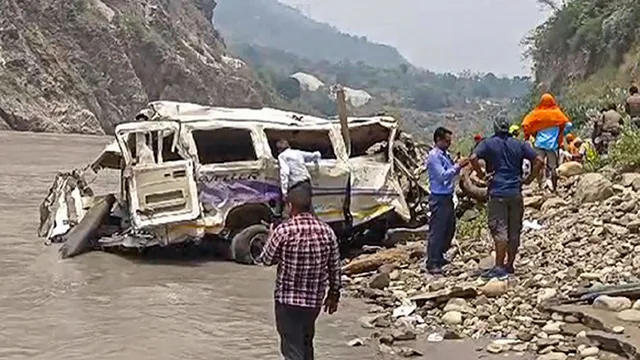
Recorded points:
(435, 270)
(497, 272)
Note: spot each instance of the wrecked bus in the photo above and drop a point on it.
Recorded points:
(189, 172)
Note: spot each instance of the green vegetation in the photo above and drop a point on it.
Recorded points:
(471, 228)
(401, 86)
(586, 53)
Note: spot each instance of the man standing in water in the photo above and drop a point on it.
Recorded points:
(442, 172)
(306, 252)
(504, 156)
(293, 170)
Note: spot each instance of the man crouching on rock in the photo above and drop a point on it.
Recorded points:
(503, 155)
(306, 252)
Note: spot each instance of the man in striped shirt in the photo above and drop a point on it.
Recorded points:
(306, 253)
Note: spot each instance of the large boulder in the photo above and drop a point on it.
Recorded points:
(569, 169)
(593, 187)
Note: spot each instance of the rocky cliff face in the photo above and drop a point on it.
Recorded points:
(87, 65)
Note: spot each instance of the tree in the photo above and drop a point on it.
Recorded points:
(426, 98)
(288, 88)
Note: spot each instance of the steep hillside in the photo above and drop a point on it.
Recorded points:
(86, 65)
(588, 52)
(273, 24)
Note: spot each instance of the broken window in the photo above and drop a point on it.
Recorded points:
(305, 140)
(224, 145)
(370, 140)
(146, 149)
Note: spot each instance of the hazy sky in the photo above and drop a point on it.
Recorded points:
(441, 35)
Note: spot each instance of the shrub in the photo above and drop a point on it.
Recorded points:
(625, 153)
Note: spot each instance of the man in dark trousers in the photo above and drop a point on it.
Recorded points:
(442, 172)
(306, 252)
(504, 155)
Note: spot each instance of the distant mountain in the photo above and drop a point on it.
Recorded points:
(272, 24)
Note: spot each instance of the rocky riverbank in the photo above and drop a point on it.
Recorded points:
(585, 238)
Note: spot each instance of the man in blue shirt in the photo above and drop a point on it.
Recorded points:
(548, 146)
(442, 172)
(504, 156)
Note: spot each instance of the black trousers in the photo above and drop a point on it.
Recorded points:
(297, 327)
(442, 229)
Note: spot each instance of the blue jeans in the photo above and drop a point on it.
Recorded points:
(442, 228)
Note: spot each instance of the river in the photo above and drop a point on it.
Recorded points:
(105, 306)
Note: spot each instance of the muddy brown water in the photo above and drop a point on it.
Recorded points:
(105, 306)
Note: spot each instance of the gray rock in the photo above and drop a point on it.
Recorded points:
(355, 342)
(553, 203)
(552, 328)
(380, 281)
(574, 329)
(616, 229)
(628, 179)
(494, 348)
(452, 318)
(610, 303)
(408, 352)
(534, 202)
(593, 187)
(629, 316)
(403, 334)
(590, 351)
(553, 356)
(494, 288)
(459, 305)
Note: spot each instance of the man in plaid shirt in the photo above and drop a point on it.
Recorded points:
(306, 252)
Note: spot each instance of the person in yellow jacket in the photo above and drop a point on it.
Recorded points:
(514, 130)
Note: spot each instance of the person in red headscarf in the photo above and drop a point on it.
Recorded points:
(477, 139)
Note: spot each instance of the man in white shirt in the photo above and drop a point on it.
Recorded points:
(293, 169)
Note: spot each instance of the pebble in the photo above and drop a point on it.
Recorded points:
(380, 281)
(452, 318)
(552, 328)
(553, 356)
(495, 348)
(459, 305)
(355, 342)
(618, 329)
(590, 351)
(494, 288)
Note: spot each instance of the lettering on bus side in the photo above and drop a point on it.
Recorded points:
(208, 178)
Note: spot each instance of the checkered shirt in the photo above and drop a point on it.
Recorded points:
(306, 252)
